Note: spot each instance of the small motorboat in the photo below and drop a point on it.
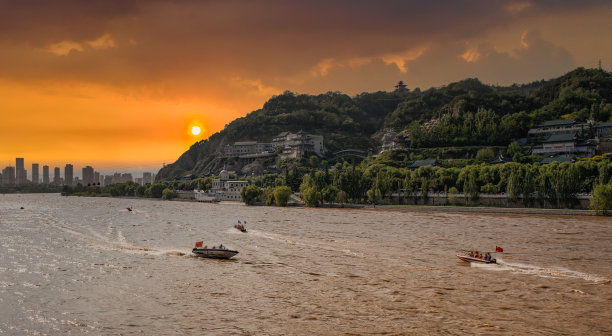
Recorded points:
(467, 258)
(220, 252)
(129, 209)
(240, 227)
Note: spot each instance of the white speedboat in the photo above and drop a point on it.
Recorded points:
(468, 258)
(219, 253)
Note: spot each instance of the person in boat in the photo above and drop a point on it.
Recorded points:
(471, 253)
(221, 247)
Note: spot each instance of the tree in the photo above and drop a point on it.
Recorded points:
(281, 195)
(602, 198)
(311, 196)
(329, 193)
(341, 197)
(168, 194)
(374, 195)
(268, 194)
(251, 194)
(470, 184)
(140, 191)
(155, 190)
(452, 195)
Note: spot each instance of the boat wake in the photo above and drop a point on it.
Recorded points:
(122, 244)
(541, 271)
(309, 243)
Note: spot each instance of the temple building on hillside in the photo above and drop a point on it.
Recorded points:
(285, 145)
(401, 87)
(568, 145)
(295, 145)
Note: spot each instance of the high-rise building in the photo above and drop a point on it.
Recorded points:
(68, 174)
(35, 173)
(45, 175)
(108, 180)
(88, 175)
(97, 178)
(20, 172)
(56, 176)
(146, 178)
(8, 176)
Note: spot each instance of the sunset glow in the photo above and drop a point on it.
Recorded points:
(125, 84)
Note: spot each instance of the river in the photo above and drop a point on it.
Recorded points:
(80, 265)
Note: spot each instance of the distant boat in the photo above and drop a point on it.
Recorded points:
(216, 252)
(129, 209)
(467, 258)
(240, 227)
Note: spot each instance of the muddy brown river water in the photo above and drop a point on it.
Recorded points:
(77, 265)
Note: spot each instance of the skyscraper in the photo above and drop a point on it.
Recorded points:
(68, 174)
(45, 175)
(56, 176)
(8, 176)
(20, 172)
(35, 173)
(146, 178)
(88, 175)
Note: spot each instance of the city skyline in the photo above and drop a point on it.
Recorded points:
(68, 170)
(121, 84)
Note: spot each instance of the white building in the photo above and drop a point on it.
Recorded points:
(223, 189)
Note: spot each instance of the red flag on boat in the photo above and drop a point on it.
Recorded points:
(199, 244)
(498, 249)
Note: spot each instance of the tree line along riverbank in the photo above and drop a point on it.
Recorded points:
(571, 185)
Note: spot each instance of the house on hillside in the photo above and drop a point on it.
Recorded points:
(552, 127)
(295, 145)
(223, 189)
(566, 144)
(390, 141)
(603, 130)
(285, 145)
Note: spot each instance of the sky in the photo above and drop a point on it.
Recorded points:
(118, 84)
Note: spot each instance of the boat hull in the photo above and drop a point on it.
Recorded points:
(476, 260)
(214, 253)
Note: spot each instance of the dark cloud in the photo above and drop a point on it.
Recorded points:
(199, 44)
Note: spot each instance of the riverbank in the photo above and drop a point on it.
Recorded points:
(461, 209)
(428, 208)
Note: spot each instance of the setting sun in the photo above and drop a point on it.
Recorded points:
(195, 130)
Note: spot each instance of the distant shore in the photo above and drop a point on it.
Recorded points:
(520, 211)
(432, 208)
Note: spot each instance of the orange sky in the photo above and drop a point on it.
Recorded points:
(118, 84)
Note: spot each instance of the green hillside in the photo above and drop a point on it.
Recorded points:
(465, 113)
